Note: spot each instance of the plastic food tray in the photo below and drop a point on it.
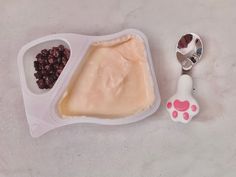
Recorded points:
(40, 105)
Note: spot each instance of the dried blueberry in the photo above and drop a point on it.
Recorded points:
(61, 48)
(67, 53)
(41, 83)
(38, 56)
(40, 60)
(44, 72)
(64, 60)
(51, 60)
(49, 65)
(38, 75)
(45, 52)
(59, 59)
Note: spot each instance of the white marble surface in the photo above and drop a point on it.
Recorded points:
(155, 147)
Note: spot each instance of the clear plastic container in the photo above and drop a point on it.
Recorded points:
(41, 105)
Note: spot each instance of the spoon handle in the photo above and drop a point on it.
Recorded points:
(182, 106)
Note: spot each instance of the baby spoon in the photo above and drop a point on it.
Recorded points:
(182, 106)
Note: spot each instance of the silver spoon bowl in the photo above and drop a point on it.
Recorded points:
(189, 51)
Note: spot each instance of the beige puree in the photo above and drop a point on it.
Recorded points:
(113, 81)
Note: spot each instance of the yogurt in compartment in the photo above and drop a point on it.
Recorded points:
(113, 81)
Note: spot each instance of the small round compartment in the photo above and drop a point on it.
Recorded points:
(28, 63)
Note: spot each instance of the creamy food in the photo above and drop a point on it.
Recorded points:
(113, 81)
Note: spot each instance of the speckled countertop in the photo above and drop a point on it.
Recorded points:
(155, 147)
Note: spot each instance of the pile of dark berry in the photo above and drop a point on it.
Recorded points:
(49, 65)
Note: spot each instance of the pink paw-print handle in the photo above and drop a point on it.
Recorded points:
(182, 107)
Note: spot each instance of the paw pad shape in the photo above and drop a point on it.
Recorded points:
(182, 107)
(182, 111)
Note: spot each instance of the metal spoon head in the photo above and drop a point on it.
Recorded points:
(189, 50)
